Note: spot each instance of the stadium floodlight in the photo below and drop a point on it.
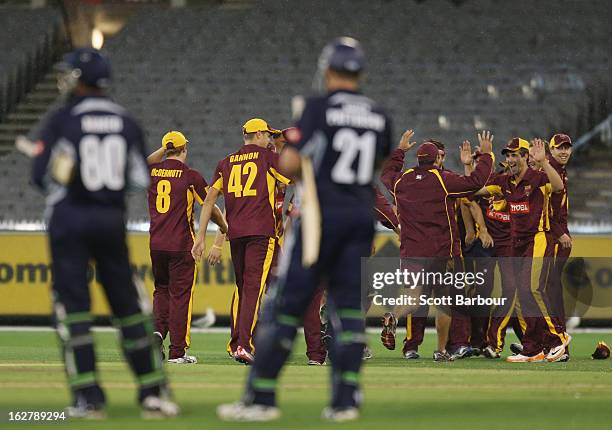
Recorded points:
(97, 38)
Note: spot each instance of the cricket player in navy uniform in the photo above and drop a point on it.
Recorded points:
(89, 151)
(341, 137)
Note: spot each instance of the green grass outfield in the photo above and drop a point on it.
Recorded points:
(473, 393)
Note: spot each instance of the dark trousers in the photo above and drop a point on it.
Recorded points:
(315, 349)
(346, 238)
(508, 313)
(76, 235)
(175, 276)
(468, 324)
(252, 257)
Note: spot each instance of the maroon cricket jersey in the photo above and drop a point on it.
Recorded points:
(248, 179)
(528, 201)
(496, 216)
(559, 203)
(173, 189)
(425, 199)
(384, 211)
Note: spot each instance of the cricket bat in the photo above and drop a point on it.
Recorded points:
(310, 214)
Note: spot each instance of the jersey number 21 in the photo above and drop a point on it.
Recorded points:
(352, 146)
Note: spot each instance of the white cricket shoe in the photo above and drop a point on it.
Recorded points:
(491, 353)
(557, 353)
(520, 358)
(337, 415)
(157, 407)
(240, 411)
(85, 412)
(185, 359)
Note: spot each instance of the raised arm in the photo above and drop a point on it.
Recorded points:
(157, 156)
(539, 155)
(466, 157)
(457, 184)
(395, 163)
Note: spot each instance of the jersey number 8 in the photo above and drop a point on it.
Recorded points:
(162, 202)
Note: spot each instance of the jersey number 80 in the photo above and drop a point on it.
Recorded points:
(103, 162)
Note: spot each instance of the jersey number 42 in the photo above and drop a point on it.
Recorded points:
(235, 182)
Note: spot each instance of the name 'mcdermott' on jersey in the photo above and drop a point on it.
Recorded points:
(173, 190)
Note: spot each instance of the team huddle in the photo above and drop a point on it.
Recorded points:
(515, 218)
(290, 257)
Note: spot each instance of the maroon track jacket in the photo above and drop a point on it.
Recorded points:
(425, 199)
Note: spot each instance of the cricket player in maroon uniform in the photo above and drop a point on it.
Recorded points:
(560, 152)
(248, 179)
(468, 325)
(466, 329)
(386, 214)
(425, 199)
(528, 193)
(497, 221)
(415, 322)
(173, 189)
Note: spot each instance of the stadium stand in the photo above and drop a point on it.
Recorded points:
(27, 45)
(443, 70)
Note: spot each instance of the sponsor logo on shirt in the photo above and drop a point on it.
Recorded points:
(519, 208)
(498, 216)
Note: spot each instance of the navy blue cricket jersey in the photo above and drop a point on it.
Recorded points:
(347, 136)
(108, 149)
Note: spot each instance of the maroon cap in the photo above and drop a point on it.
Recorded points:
(515, 144)
(427, 152)
(559, 139)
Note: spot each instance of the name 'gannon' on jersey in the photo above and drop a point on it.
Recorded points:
(347, 135)
(107, 146)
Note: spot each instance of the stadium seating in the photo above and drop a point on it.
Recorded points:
(443, 70)
(23, 31)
